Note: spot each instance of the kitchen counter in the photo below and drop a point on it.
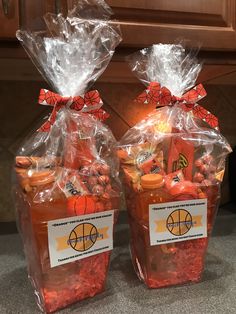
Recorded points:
(125, 293)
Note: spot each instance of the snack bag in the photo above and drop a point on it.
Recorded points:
(67, 187)
(173, 163)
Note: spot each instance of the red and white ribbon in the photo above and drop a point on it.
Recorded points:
(161, 96)
(90, 102)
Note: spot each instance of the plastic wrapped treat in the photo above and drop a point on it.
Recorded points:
(173, 163)
(67, 187)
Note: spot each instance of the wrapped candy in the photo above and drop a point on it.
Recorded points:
(67, 187)
(173, 163)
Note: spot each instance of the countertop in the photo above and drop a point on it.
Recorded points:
(125, 293)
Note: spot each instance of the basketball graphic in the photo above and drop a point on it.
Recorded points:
(83, 237)
(81, 205)
(179, 222)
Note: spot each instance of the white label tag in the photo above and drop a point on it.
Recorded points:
(177, 221)
(78, 237)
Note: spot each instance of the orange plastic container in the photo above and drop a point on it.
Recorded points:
(63, 285)
(76, 183)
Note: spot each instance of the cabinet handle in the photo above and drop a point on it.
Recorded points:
(5, 6)
(57, 6)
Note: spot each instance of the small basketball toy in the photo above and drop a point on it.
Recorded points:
(81, 205)
(179, 222)
(83, 237)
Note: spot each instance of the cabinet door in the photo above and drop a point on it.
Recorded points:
(56, 6)
(9, 18)
(211, 22)
(32, 12)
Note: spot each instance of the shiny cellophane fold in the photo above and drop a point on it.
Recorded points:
(72, 169)
(154, 146)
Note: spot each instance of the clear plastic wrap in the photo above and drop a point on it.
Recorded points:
(173, 163)
(67, 172)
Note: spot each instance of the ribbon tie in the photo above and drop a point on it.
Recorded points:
(161, 96)
(90, 102)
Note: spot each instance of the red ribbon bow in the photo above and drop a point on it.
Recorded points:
(90, 102)
(161, 96)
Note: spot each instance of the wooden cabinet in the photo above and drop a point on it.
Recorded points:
(32, 12)
(211, 22)
(9, 18)
(26, 14)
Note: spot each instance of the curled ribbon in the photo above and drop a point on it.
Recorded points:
(161, 96)
(90, 102)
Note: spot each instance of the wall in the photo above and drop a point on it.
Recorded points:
(20, 113)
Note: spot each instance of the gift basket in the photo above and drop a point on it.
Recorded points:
(173, 163)
(67, 187)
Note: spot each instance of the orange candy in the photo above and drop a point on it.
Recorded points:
(184, 189)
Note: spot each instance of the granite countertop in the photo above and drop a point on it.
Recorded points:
(125, 293)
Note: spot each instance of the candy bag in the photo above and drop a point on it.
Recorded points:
(67, 187)
(173, 163)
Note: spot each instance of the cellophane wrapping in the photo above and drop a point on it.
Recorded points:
(69, 168)
(170, 156)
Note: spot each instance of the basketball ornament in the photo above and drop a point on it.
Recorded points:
(81, 205)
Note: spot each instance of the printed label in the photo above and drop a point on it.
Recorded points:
(177, 221)
(143, 156)
(73, 187)
(78, 237)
